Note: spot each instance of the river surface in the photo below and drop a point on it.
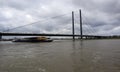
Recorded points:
(61, 56)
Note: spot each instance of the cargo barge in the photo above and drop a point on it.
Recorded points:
(33, 39)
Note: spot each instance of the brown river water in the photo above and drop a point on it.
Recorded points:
(61, 56)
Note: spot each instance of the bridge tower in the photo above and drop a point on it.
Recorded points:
(73, 30)
(81, 32)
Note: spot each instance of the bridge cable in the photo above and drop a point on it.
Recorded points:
(91, 30)
(35, 22)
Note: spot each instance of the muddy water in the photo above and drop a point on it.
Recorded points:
(61, 56)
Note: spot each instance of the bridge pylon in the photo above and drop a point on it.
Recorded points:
(81, 29)
(73, 29)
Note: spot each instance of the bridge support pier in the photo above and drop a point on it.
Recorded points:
(86, 37)
(0, 37)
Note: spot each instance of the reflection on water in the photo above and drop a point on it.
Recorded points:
(61, 56)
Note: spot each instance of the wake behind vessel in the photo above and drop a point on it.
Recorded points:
(33, 39)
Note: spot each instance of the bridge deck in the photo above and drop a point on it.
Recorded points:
(35, 34)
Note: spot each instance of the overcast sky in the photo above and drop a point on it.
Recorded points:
(100, 17)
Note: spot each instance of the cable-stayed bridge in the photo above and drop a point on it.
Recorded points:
(81, 31)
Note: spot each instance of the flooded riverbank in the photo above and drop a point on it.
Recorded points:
(61, 56)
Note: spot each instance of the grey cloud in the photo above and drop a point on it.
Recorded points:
(99, 16)
(109, 6)
(21, 4)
